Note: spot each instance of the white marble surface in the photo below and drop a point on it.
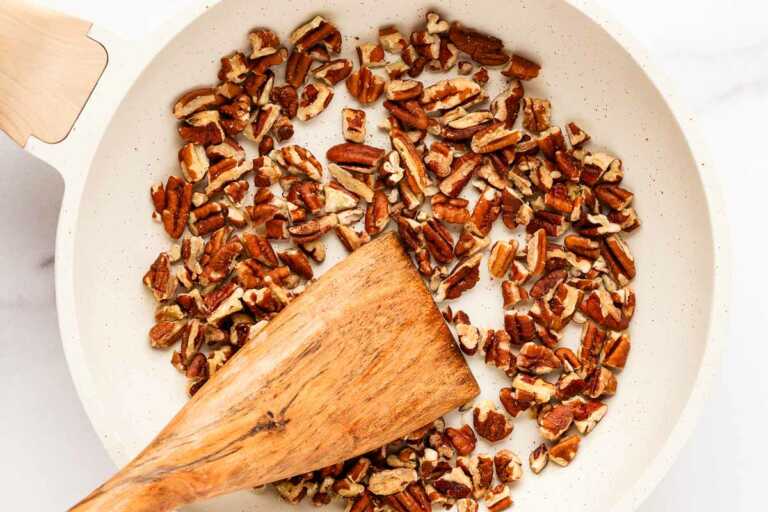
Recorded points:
(717, 57)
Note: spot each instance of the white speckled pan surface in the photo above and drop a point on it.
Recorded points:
(592, 73)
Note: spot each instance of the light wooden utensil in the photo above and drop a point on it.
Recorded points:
(361, 358)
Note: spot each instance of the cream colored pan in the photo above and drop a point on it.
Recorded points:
(125, 138)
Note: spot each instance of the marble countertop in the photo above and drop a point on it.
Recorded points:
(717, 56)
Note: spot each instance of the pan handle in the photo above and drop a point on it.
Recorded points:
(48, 69)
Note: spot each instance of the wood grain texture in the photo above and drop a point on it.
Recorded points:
(361, 358)
(48, 68)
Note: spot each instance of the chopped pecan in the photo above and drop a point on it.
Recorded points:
(159, 278)
(502, 254)
(396, 70)
(225, 171)
(547, 283)
(391, 481)
(480, 470)
(438, 239)
(313, 229)
(299, 161)
(447, 94)
(620, 261)
(576, 135)
(463, 440)
(207, 218)
(521, 68)
(223, 302)
(514, 211)
(333, 72)
(481, 76)
(565, 451)
(176, 205)
(297, 68)
(537, 359)
(221, 262)
(463, 277)
(462, 170)
(466, 505)
(337, 198)
(555, 421)
(234, 68)
(498, 498)
(297, 262)
(536, 252)
(536, 114)
(520, 327)
(314, 32)
(263, 42)
(353, 125)
(356, 157)
(515, 401)
(194, 162)
(616, 351)
(195, 101)
(598, 166)
(539, 458)
(601, 382)
(455, 484)
(413, 165)
(490, 423)
(203, 127)
(259, 248)
(509, 467)
(586, 413)
(288, 98)
(512, 294)
(314, 99)
(626, 219)
(409, 113)
(498, 351)
(599, 306)
(349, 182)
(351, 239)
(540, 390)
(365, 86)
(392, 40)
(439, 159)
(452, 210)
(484, 49)
(507, 104)
(371, 55)
(494, 137)
(447, 56)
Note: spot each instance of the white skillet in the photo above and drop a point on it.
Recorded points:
(124, 139)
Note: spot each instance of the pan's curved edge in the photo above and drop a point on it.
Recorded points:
(719, 313)
(73, 158)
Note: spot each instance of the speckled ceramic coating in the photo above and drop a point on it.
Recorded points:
(592, 73)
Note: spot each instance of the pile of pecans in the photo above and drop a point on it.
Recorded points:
(247, 255)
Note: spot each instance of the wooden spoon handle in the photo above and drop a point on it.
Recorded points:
(49, 67)
(121, 494)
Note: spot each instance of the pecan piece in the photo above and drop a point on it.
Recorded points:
(484, 49)
(193, 161)
(297, 262)
(194, 101)
(333, 72)
(509, 467)
(353, 125)
(349, 182)
(502, 254)
(392, 40)
(402, 90)
(586, 413)
(439, 240)
(462, 170)
(439, 159)
(537, 359)
(314, 99)
(259, 248)
(207, 219)
(413, 165)
(455, 484)
(159, 278)
(365, 86)
(466, 505)
(539, 458)
(176, 206)
(498, 498)
(299, 161)
(514, 211)
(515, 401)
(536, 114)
(338, 199)
(463, 277)
(313, 229)
(391, 481)
(490, 423)
(221, 262)
(371, 55)
(288, 99)
(512, 294)
(203, 128)
(565, 451)
(447, 94)
(409, 113)
(520, 327)
(494, 137)
(576, 135)
(547, 283)
(521, 68)
(468, 337)
(620, 262)
(507, 104)
(234, 68)
(452, 210)
(536, 252)
(498, 351)
(463, 440)
(315, 32)
(165, 333)
(555, 421)
(356, 157)
(539, 389)
(616, 351)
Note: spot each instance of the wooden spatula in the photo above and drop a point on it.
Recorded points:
(361, 358)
